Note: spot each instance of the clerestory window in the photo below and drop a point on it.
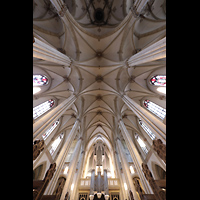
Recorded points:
(50, 130)
(56, 143)
(141, 143)
(147, 130)
(42, 108)
(155, 109)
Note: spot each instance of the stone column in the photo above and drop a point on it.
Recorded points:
(62, 155)
(158, 192)
(135, 155)
(42, 124)
(121, 175)
(126, 168)
(151, 53)
(149, 119)
(77, 175)
(72, 167)
(47, 52)
(38, 146)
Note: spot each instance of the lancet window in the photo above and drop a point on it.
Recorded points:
(56, 143)
(42, 108)
(155, 109)
(146, 129)
(50, 130)
(141, 143)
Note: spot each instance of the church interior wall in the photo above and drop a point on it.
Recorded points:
(44, 160)
(93, 65)
(151, 164)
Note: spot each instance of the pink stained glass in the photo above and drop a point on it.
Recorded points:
(158, 80)
(39, 80)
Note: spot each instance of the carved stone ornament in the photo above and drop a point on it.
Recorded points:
(60, 189)
(131, 195)
(158, 192)
(160, 148)
(66, 196)
(38, 146)
(39, 186)
(49, 174)
(138, 187)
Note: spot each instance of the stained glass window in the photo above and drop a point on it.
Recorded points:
(146, 129)
(56, 143)
(48, 132)
(39, 80)
(156, 109)
(141, 143)
(42, 108)
(158, 80)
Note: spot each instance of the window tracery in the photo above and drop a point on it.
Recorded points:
(155, 109)
(158, 80)
(42, 108)
(146, 129)
(141, 143)
(50, 130)
(56, 143)
(39, 80)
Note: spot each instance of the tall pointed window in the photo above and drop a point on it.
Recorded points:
(141, 143)
(39, 80)
(155, 109)
(50, 130)
(158, 80)
(42, 108)
(56, 143)
(147, 130)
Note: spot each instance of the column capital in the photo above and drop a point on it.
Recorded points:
(45, 51)
(153, 52)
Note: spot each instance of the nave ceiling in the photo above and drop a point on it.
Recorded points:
(98, 73)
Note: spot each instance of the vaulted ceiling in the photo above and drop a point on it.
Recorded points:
(99, 52)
